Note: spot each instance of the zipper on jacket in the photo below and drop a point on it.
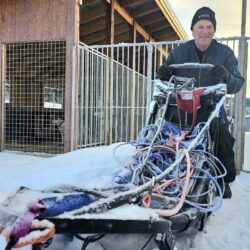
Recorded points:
(199, 75)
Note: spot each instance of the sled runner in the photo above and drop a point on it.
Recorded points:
(173, 175)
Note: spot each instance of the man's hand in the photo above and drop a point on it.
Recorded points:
(164, 72)
(221, 72)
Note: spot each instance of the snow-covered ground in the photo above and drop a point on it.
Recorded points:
(228, 228)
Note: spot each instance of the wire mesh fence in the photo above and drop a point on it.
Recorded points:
(114, 85)
(34, 78)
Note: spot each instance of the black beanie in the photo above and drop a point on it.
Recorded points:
(204, 13)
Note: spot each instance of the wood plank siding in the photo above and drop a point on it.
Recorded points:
(41, 20)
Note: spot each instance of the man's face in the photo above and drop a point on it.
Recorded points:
(203, 33)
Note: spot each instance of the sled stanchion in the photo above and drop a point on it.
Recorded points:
(149, 75)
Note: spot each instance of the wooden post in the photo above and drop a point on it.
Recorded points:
(132, 57)
(2, 96)
(110, 21)
(72, 39)
(241, 96)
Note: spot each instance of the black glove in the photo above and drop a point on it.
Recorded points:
(221, 72)
(164, 72)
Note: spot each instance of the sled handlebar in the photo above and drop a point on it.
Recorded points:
(220, 88)
(161, 89)
(192, 66)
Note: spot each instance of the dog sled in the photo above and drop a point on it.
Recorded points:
(170, 185)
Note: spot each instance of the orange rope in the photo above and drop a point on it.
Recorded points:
(146, 200)
(184, 191)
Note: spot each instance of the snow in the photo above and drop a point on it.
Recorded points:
(227, 228)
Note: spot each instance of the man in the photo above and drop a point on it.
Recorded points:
(204, 49)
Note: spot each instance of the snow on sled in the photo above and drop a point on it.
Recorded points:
(167, 190)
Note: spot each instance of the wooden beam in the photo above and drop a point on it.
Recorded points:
(101, 35)
(93, 27)
(122, 38)
(158, 28)
(133, 34)
(130, 19)
(150, 18)
(110, 22)
(168, 37)
(126, 3)
(144, 9)
(158, 25)
(90, 15)
(167, 30)
(97, 26)
(123, 13)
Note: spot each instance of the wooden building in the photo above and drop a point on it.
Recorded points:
(36, 40)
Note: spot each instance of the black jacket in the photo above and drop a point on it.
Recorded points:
(217, 53)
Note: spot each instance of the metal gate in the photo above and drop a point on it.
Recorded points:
(114, 89)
